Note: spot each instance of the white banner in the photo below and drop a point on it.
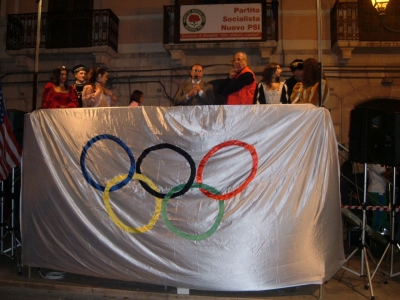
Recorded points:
(227, 198)
(221, 22)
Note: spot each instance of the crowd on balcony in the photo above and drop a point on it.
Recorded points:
(240, 87)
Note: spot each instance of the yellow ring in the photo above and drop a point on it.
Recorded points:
(114, 218)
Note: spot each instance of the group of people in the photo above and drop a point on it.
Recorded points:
(88, 90)
(241, 88)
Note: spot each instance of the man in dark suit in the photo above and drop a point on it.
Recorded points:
(296, 67)
(195, 91)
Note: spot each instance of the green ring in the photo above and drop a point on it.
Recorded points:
(192, 237)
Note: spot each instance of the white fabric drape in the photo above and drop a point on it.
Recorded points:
(236, 198)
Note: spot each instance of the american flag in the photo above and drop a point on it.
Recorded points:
(10, 151)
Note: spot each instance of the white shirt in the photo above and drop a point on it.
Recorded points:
(271, 96)
(376, 184)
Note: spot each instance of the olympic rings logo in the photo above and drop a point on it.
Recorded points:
(161, 200)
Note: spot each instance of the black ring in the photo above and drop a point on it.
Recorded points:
(181, 152)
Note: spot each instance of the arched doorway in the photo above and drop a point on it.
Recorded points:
(390, 105)
(374, 96)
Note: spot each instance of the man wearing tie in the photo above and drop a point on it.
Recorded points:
(195, 91)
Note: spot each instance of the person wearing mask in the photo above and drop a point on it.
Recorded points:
(136, 98)
(79, 72)
(241, 83)
(296, 67)
(196, 91)
(57, 93)
(307, 91)
(95, 94)
(270, 88)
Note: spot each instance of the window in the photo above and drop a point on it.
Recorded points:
(69, 23)
(198, 2)
(70, 5)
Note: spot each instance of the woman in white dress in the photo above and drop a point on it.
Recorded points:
(94, 93)
(269, 89)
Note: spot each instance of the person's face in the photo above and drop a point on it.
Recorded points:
(63, 76)
(298, 74)
(196, 71)
(102, 79)
(239, 61)
(80, 76)
(141, 98)
(278, 71)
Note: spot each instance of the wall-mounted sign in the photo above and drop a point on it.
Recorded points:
(221, 22)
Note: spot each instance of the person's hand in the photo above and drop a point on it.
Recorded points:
(108, 92)
(233, 73)
(192, 93)
(388, 174)
(196, 87)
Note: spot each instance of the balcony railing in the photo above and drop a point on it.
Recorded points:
(72, 29)
(171, 25)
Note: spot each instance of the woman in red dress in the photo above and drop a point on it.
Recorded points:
(57, 93)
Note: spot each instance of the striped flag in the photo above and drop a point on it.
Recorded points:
(10, 151)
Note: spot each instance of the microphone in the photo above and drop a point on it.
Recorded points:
(195, 81)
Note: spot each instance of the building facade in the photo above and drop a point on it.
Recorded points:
(135, 41)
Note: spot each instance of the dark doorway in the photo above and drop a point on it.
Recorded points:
(390, 105)
(69, 24)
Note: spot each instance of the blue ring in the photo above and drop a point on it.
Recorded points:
(123, 145)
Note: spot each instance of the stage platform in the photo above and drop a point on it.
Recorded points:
(343, 286)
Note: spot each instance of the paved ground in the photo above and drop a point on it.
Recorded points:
(344, 285)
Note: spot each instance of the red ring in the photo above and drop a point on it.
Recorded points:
(240, 188)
